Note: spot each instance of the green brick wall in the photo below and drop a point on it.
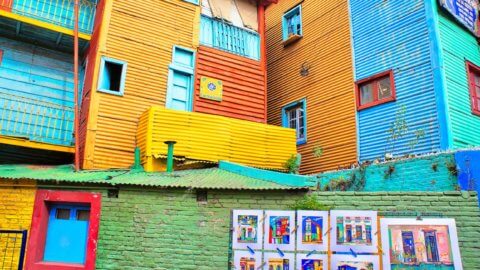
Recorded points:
(169, 229)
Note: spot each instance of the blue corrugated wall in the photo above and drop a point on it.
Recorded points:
(395, 35)
(36, 93)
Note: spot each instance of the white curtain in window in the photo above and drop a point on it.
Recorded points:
(223, 9)
(248, 12)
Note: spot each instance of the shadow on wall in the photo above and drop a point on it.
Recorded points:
(468, 167)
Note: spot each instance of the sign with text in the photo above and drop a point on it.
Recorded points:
(465, 11)
(211, 88)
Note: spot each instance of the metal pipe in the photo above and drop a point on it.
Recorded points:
(170, 155)
(75, 86)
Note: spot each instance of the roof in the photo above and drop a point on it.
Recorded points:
(211, 178)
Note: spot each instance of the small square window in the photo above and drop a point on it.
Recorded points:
(112, 76)
(375, 90)
(62, 214)
(294, 116)
(474, 86)
(83, 215)
(292, 24)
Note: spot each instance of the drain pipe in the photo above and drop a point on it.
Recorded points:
(75, 86)
(170, 155)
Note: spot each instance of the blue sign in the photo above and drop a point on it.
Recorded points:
(465, 11)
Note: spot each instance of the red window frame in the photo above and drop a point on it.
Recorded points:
(376, 101)
(472, 68)
(36, 242)
(1, 56)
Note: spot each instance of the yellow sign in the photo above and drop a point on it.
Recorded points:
(211, 88)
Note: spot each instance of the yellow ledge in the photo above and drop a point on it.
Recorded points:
(36, 145)
(46, 25)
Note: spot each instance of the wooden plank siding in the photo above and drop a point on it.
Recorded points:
(243, 85)
(329, 87)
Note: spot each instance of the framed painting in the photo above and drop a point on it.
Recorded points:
(247, 229)
(244, 260)
(413, 244)
(349, 262)
(311, 229)
(312, 262)
(279, 230)
(275, 261)
(354, 231)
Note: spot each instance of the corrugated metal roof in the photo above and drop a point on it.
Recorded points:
(211, 178)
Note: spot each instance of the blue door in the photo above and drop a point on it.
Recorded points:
(179, 96)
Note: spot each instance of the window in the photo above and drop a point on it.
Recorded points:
(112, 76)
(180, 80)
(292, 24)
(193, 1)
(474, 85)
(375, 90)
(64, 230)
(294, 116)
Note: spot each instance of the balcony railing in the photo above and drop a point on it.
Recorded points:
(224, 36)
(58, 12)
(36, 120)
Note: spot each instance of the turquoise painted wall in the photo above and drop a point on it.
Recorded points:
(457, 46)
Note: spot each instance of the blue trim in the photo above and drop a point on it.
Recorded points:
(303, 102)
(292, 12)
(270, 176)
(437, 61)
(179, 66)
(195, 2)
(102, 74)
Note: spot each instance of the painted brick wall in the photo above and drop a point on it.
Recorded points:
(169, 229)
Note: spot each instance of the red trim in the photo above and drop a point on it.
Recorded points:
(375, 101)
(472, 68)
(1, 56)
(36, 242)
(263, 56)
(6, 5)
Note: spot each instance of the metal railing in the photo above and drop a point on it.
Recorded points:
(222, 35)
(12, 249)
(58, 12)
(36, 120)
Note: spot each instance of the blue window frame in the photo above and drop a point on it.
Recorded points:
(196, 2)
(112, 76)
(180, 79)
(292, 23)
(66, 240)
(294, 115)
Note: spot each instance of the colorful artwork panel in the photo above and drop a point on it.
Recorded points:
(312, 262)
(247, 229)
(420, 244)
(312, 228)
(273, 261)
(349, 262)
(280, 226)
(244, 260)
(354, 230)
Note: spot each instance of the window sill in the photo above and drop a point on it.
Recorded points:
(58, 266)
(116, 93)
(302, 142)
(475, 112)
(291, 39)
(376, 103)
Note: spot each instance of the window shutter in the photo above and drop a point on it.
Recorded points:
(248, 13)
(222, 9)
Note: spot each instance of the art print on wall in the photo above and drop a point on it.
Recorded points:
(244, 260)
(349, 262)
(312, 226)
(247, 229)
(312, 262)
(409, 243)
(279, 230)
(354, 231)
(275, 261)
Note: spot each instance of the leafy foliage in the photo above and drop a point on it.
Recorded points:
(309, 202)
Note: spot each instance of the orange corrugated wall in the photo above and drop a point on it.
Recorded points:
(243, 85)
(328, 88)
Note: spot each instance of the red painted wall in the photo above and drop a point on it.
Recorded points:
(243, 85)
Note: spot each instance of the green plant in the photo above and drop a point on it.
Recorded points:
(317, 151)
(418, 135)
(435, 167)
(389, 171)
(292, 165)
(452, 168)
(309, 202)
(338, 185)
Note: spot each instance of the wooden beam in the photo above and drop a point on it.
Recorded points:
(35, 145)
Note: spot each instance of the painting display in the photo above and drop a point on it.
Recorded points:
(244, 260)
(312, 226)
(279, 226)
(273, 261)
(349, 262)
(420, 244)
(354, 230)
(247, 229)
(312, 262)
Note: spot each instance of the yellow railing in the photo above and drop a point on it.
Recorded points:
(212, 138)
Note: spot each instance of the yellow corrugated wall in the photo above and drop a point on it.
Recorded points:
(142, 33)
(329, 87)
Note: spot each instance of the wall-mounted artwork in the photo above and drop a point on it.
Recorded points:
(354, 230)
(279, 230)
(312, 262)
(247, 229)
(312, 226)
(420, 244)
(349, 262)
(244, 260)
(275, 261)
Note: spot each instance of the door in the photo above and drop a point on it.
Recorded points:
(179, 96)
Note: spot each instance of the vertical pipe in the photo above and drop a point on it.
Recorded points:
(263, 53)
(75, 85)
(170, 156)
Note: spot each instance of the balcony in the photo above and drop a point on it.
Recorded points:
(212, 138)
(224, 36)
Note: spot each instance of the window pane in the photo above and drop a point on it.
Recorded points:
(476, 79)
(477, 91)
(83, 215)
(293, 24)
(366, 94)
(384, 88)
(62, 214)
(478, 104)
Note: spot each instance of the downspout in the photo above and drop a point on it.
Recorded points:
(75, 86)
(263, 54)
(170, 156)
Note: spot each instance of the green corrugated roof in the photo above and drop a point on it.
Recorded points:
(211, 178)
